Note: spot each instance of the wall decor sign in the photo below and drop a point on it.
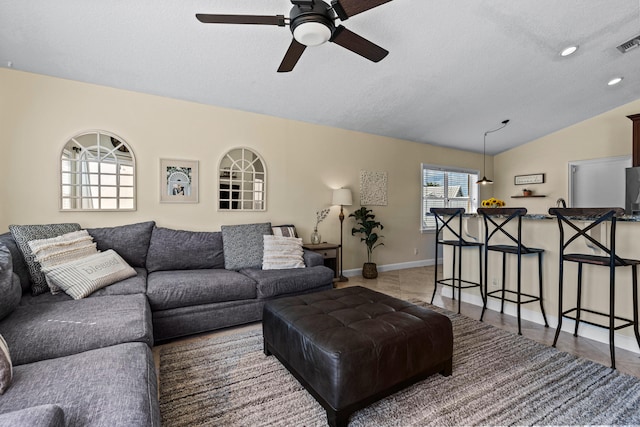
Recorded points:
(373, 188)
(535, 178)
(178, 181)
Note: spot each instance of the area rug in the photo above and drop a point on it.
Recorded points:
(499, 378)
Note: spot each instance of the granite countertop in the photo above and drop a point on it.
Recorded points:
(627, 218)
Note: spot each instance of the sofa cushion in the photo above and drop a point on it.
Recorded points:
(184, 250)
(10, 291)
(131, 241)
(243, 245)
(133, 285)
(282, 252)
(111, 386)
(19, 266)
(35, 416)
(195, 319)
(44, 331)
(273, 283)
(172, 289)
(6, 367)
(84, 276)
(59, 250)
(23, 234)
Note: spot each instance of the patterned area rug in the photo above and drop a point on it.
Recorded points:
(499, 378)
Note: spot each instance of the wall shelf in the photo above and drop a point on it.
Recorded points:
(525, 197)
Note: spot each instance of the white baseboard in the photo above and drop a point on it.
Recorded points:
(588, 331)
(392, 267)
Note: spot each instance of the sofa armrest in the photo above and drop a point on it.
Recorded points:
(312, 259)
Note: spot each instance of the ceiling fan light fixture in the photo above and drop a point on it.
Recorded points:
(312, 33)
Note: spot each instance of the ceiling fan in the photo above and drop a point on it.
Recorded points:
(312, 23)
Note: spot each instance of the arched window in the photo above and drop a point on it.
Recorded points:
(97, 172)
(242, 181)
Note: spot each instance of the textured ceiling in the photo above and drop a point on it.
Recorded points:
(456, 68)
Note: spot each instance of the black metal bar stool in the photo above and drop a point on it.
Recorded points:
(495, 220)
(567, 218)
(444, 217)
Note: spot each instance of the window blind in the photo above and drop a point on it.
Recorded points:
(444, 187)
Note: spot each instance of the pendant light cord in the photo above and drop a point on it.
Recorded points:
(484, 145)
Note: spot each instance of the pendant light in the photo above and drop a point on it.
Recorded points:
(485, 180)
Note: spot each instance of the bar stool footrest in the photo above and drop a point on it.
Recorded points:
(454, 284)
(532, 298)
(628, 323)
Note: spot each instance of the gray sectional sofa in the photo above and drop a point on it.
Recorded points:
(88, 362)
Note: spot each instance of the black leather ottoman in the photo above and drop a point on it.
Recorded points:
(350, 347)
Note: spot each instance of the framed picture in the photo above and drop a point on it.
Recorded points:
(535, 178)
(178, 181)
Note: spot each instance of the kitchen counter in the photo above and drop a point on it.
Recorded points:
(541, 231)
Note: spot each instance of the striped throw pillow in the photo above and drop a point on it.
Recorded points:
(62, 249)
(6, 368)
(282, 252)
(284, 230)
(82, 277)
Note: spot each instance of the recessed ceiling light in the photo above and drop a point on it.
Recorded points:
(569, 50)
(615, 81)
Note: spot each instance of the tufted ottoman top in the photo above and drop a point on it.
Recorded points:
(351, 343)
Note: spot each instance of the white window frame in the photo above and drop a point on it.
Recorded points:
(472, 205)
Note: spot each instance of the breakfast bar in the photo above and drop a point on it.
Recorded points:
(542, 231)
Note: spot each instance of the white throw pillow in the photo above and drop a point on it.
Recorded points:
(6, 368)
(62, 249)
(84, 276)
(282, 252)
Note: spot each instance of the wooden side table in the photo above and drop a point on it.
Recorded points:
(329, 252)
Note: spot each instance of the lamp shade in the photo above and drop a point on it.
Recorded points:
(342, 197)
(484, 181)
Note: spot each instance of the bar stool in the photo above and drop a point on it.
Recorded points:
(443, 217)
(567, 218)
(495, 220)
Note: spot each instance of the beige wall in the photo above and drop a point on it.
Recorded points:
(606, 135)
(303, 161)
(5, 119)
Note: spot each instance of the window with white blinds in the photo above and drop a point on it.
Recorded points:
(446, 187)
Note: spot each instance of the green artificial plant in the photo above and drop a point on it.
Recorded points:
(365, 220)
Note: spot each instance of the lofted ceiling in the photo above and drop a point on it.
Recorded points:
(456, 68)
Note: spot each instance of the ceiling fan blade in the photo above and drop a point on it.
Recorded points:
(355, 43)
(347, 8)
(241, 19)
(292, 56)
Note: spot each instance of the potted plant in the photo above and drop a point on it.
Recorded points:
(526, 193)
(366, 225)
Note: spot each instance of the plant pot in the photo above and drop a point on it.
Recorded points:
(527, 193)
(369, 270)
